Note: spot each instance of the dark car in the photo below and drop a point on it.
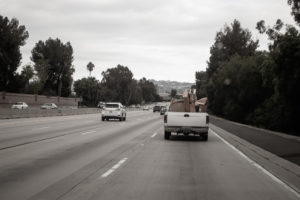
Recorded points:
(156, 108)
(163, 110)
(101, 104)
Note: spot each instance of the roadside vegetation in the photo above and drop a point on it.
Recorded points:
(117, 85)
(255, 87)
(242, 84)
(52, 70)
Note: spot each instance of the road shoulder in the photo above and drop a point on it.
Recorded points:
(284, 135)
(284, 170)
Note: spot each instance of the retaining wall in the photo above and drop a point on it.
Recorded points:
(7, 99)
(8, 113)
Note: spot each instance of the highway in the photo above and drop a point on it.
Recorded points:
(81, 157)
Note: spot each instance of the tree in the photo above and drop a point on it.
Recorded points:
(232, 41)
(295, 4)
(201, 83)
(149, 93)
(284, 75)
(12, 36)
(27, 73)
(173, 93)
(228, 42)
(273, 33)
(53, 63)
(90, 66)
(239, 88)
(117, 84)
(136, 93)
(89, 89)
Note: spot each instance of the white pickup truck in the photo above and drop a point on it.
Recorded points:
(176, 121)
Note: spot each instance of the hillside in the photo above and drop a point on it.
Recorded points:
(167, 86)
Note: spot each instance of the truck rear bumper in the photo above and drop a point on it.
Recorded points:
(183, 129)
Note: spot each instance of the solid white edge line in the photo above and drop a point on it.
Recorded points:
(273, 177)
(154, 134)
(116, 166)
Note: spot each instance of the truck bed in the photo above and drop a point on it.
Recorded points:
(188, 119)
(176, 121)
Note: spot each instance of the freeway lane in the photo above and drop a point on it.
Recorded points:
(81, 157)
(32, 167)
(27, 131)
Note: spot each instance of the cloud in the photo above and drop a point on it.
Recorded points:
(167, 39)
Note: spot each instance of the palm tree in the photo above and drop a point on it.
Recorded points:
(90, 66)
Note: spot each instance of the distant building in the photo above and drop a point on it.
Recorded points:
(165, 96)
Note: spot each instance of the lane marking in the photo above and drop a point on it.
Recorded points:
(116, 166)
(88, 132)
(88, 121)
(154, 134)
(39, 128)
(273, 177)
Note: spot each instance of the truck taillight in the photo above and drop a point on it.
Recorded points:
(207, 119)
(166, 118)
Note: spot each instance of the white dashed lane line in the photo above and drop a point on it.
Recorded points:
(88, 132)
(154, 134)
(40, 128)
(115, 167)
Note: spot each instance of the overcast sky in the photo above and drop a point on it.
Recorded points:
(157, 39)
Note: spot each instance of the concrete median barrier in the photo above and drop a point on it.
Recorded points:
(8, 113)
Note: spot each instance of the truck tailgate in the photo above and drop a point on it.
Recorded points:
(187, 119)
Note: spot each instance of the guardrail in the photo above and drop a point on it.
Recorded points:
(8, 113)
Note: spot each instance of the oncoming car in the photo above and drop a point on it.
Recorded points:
(113, 111)
(101, 104)
(19, 105)
(49, 106)
(163, 110)
(146, 108)
(156, 108)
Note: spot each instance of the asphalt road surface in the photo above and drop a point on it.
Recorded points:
(81, 157)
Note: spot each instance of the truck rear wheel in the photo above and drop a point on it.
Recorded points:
(167, 135)
(205, 137)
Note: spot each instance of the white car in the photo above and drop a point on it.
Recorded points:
(113, 111)
(146, 108)
(49, 106)
(19, 105)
